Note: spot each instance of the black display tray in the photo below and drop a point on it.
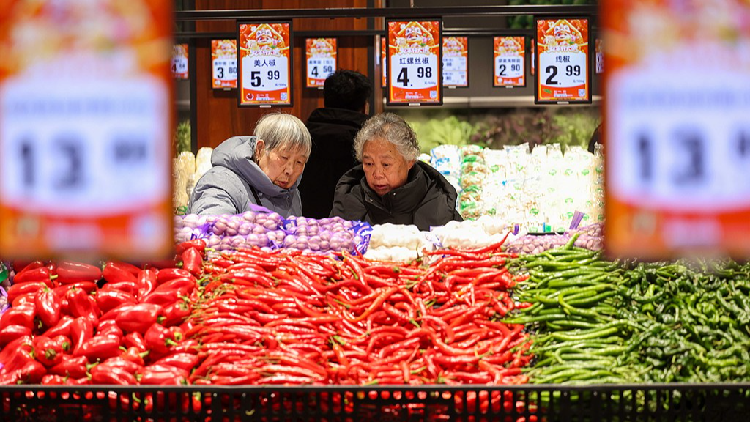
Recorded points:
(527, 403)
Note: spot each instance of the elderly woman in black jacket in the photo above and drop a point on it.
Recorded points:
(391, 185)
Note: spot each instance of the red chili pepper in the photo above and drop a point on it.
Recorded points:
(19, 356)
(158, 339)
(86, 286)
(35, 275)
(108, 299)
(49, 351)
(81, 330)
(13, 332)
(186, 346)
(163, 375)
(99, 347)
(115, 272)
(163, 299)
(23, 301)
(107, 375)
(69, 272)
(134, 355)
(62, 328)
(80, 304)
(192, 261)
(48, 306)
(128, 287)
(111, 331)
(50, 379)
(118, 362)
(146, 282)
(20, 266)
(184, 361)
(182, 285)
(74, 367)
(134, 340)
(22, 315)
(197, 244)
(23, 289)
(169, 274)
(138, 318)
(31, 372)
(176, 313)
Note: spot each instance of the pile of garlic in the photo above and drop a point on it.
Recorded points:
(471, 234)
(394, 242)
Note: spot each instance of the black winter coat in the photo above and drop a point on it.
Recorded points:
(333, 131)
(427, 199)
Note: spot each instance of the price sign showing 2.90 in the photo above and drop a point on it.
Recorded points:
(509, 61)
(676, 130)
(414, 62)
(85, 149)
(265, 63)
(563, 58)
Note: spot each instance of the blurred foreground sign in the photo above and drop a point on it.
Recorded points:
(677, 132)
(85, 122)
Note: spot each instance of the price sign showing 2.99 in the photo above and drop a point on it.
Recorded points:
(676, 133)
(563, 57)
(414, 62)
(265, 64)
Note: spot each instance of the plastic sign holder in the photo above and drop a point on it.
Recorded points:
(224, 64)
(562, 54)
(456, 62)
(320, 60)
(676, 130)
(85, 131)
(265, 63)
(509, 61)
(414, 62)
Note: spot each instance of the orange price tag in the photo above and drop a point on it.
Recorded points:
(455, 61)
(414, 62)
(320, 54)
(563, 56)
(224, 63)
(677, 101)
(180, 61)
(85, 129)
(510, 53)
(265, 64)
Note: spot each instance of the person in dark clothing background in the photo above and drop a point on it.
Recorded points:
(333, 128)
(596, 138)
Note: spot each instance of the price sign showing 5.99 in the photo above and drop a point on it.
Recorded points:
(563, 51)
(677, 136)
(414, 62)
(265, 64)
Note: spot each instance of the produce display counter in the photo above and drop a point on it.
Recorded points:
(728, 402)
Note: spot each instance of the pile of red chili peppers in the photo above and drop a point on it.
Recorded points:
(265, 318)
(284, 317)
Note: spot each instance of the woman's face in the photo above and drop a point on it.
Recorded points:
(385, 168)
(282, 165)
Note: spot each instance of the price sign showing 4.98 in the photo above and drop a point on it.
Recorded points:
(563, 51)
(414, 62)
(677, 141)
(320, 56)
(265, 64)
(85, 149)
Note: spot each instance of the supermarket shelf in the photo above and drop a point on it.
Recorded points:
(495, 102)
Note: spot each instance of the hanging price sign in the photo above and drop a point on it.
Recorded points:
(320, 54)
(180, 61)
(265, 64)
(224, 60)
(383, 58)
(414, 62)
(598, 56)
(533, 57)
(456, 61)
(563, 57)
(85, 148)
(677, 131)
(510, 53)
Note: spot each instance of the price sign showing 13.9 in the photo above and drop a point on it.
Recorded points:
(265, 64)
(677, 133)
(224, 58)
(320, 56)
(85, 148)
(563, 51)
(509, 61)
(414, 62)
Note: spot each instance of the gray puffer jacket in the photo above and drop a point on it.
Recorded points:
(227, 188)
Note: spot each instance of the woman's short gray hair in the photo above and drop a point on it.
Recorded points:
(285, 131)
(392, 128)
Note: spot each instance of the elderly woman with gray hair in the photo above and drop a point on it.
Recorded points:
(391, 185)
(264, 169)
